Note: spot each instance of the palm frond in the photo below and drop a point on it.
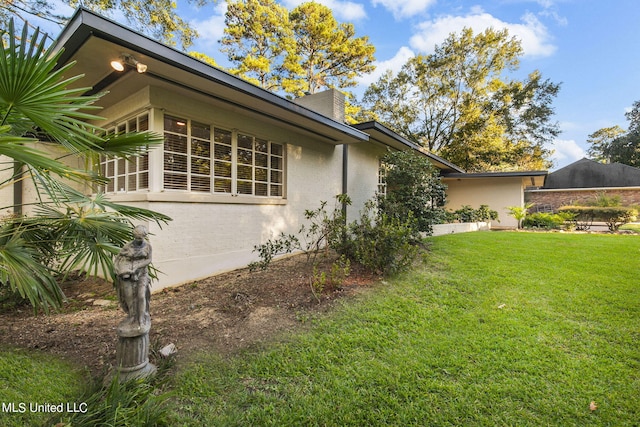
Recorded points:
(129, 144)
(66, 228)
(22, 271)
(31, 88)
(16, 149)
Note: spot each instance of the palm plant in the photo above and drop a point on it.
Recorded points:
(65, 229)
(520, 212)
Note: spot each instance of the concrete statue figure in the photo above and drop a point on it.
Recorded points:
(133, 283)
(133, 286)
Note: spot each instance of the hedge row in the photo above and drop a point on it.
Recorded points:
(614, 217)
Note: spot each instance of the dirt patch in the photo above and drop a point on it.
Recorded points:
(224, 313)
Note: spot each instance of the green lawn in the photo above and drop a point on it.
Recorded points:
(495, 329)
(634, 226)
(29, 381)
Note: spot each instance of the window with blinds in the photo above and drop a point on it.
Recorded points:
(242, 163)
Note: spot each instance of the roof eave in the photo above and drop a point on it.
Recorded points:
(386, 136)
(514, 174)
(85, 24)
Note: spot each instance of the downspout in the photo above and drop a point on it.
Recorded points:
(345, 177)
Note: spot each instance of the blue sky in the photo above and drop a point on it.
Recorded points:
(589, 46)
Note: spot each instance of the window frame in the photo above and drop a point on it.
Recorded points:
(134, 173)
(227, 170)
(383, 169)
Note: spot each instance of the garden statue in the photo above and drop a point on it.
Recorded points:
(133, 285)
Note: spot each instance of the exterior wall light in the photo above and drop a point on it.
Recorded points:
(127, 59)
(117, 65)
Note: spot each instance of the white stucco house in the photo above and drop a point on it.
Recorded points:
(239, 164)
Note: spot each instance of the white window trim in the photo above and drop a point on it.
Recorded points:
(115, 161)
(156, 191)
(190, 197)
(382, 178)
(234, 196)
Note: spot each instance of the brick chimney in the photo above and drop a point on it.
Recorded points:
(329, 103)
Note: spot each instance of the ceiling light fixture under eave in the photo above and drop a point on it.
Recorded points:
(127, 59)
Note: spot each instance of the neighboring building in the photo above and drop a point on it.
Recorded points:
(498, 190)
(582, 182)
(239, 164)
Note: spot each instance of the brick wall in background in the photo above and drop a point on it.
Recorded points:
(553, 199)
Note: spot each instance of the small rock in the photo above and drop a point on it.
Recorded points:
(168, 350)
(102, 302)
(86, 295)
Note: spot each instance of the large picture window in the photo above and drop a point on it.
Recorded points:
(127, 175)
(242, 163)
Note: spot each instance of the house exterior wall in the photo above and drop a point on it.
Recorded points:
(363, 176)
(29, 193)
(6, 192)
(498, 193)
(213, 233)
(553, 199)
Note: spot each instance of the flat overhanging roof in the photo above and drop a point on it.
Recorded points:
(380, 133)
(94, 41)
(473, 175)
(536, 177)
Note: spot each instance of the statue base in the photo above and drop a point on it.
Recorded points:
(132, 357)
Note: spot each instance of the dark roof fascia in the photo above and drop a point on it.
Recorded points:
(516, 174)
(86, 23)
(374, 125)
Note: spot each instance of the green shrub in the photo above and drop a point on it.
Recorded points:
(283, 244)
(382, 243)
(468, 214)
(322, 231)
(520, 212)
(414, 186)
(613, 216)
(548, 221)
(605, 201)
(484, 213)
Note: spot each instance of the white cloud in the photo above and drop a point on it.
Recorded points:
(565, 151)
(394, 64)
(404, 8)
(211, 29)
(531, 32)
(342, 10)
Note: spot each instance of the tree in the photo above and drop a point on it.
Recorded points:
(614, 144)
(259, 40)
(329, 55)
(157, 18)
(414, 189)
(601, 142)
(457, 103)
(296, 52)
(204, 58)
(65, 229)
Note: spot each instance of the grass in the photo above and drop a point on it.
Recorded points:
(496, 329)
(29, 378)
(634, 226)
